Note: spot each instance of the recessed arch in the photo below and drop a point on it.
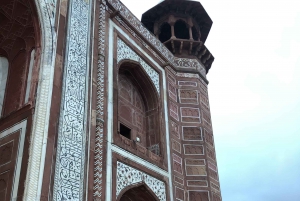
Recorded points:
(138, 104)
(137, 192)
(181, 30)
(165, 32)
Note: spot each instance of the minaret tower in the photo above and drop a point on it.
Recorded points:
(183, 27)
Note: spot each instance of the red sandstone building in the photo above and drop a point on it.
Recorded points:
(97, 105)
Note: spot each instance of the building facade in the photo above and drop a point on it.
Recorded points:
(98, 105)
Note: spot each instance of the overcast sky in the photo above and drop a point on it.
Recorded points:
(254, 95)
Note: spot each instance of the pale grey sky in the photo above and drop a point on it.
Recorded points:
(254, 95)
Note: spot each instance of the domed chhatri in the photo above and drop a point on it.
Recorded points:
(183, 27)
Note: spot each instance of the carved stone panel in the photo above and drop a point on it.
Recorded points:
(198, 196)
(187, 83)
(177, 163)
(191, 149)
(172, 92)
(196, 183)
(176, 146)
(174, 111)
(179, 193)
(70, 158)
(188, 96)
(190, 115)
(127, 176)
(192, 133)
(125, 52)
(175, 130)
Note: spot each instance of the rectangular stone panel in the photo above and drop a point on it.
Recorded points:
(192, 133)
(179, 194)
(176, 146)
(195, 170)
(213, 174)
(196, 183)
(171, 78)
(191, 161)
(174, 110)
(206, 117)
(190, 115)
(215, 186)
(208, 138)
(179, 180)
(212, 166)
(198, 196)
(172, 92)
(210, 153)
(187, 83)
(191, 149)
(175, 130)
(188, 96)
(177, 163)
(216, 197)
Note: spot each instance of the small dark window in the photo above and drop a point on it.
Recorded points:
(181, 30)
(125, 131)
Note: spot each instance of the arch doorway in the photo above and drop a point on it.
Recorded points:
(139, 193)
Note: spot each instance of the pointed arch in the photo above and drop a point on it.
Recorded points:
(139, 191)
(138, 104)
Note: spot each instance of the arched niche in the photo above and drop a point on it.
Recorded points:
(20, 36)
(138, 192)
(165, 32)
(3, 79)
(138, 106)
(181, 30)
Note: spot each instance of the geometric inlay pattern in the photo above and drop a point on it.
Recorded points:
(125, 52)
(70, 158)
(127, 176)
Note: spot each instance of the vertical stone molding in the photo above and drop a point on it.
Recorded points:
(71, 142)
(100, 104)
(40, 125)
(127, 176)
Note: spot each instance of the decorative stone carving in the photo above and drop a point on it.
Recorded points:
(125, 52)
(192, 133)
(130, 18)
(198, 196)
(188, 96)
(174, 110)
(190, 115)
(70, 160)
(191, 149)
(177, 163)
(174, 129)
(100, 104)
(179, 193)
(187, 83)
(127, 176)
(176, 146)
(200, 183)
(190, 64)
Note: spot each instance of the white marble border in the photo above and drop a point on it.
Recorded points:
(113, 26)
(22, 127)
(37, 149)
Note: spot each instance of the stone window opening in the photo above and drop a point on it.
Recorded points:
(165, 32)
(125, 131)
(181, 30)
(138, 107)
(3, 79)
